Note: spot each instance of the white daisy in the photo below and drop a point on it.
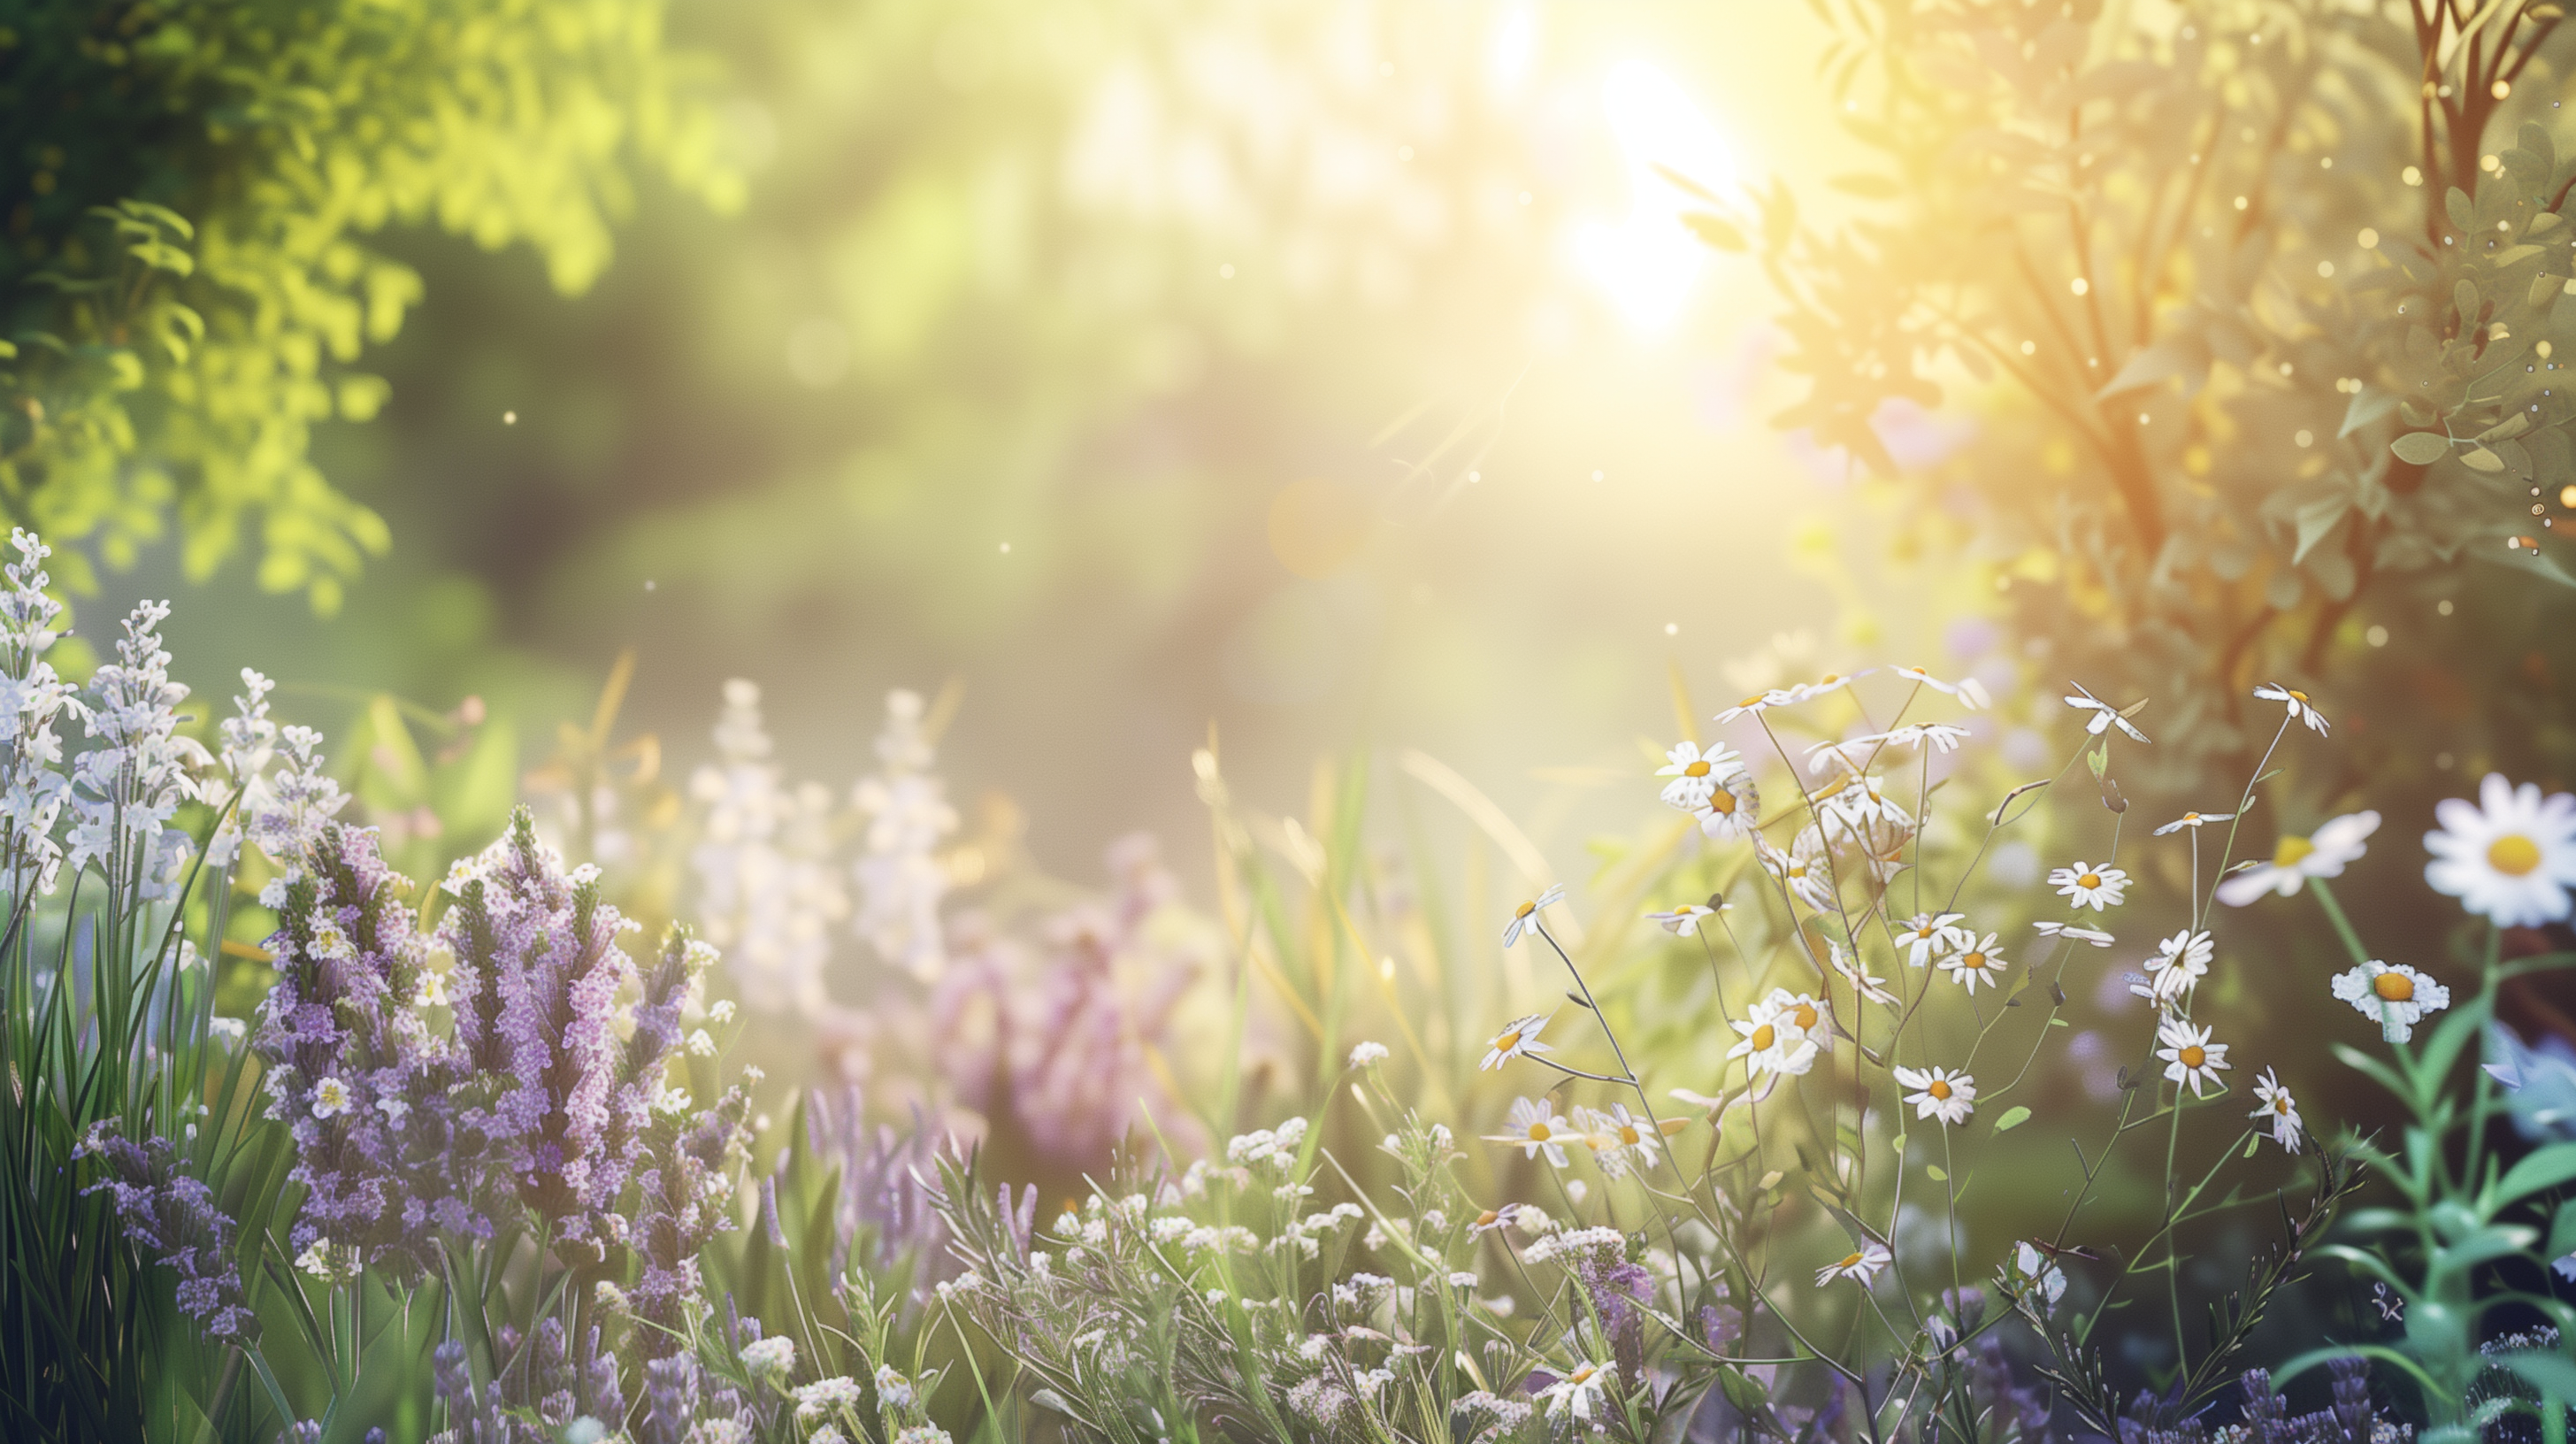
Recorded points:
(2105, 716)
(1926, 936)
(1865, 983)
(1803, 1013)
(433, 990)
(2512, 858)
(1861, 803)
(1939, 1092)
(1519, 1039)
(2296, 859)
(1685, 921)
(1756, 705)
(1525, 917)
(2181, 961)
(2277, 1110)
(1535, 1129)
(2194, 820)
(1696, 773)
(1770, 1042)
(1826, 685)
(1802, 868)
(1939, 736)
(1862, 1265)
(2095, 936)
(1579, 1393)
(1616, 1134)
(2395, 995)
(2298, 703)
(1967, 689)
(2088, 886)
(2195, 1060)
(1733, 809)
(1975, 963)
(330, 1098)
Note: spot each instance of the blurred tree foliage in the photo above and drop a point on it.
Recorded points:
(185, 281)
(2263, 305)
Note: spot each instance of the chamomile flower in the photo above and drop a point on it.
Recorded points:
(331, 1098)
(2181, 961)
(2095, 936)
(2105, 716)
(2194, 820)
(1861, 802)
(1525, 917)
(2277, 1110)
(1967, 689)
(1802, 868)
(1857, 974)
(2193, 1059)
(2088, 886)
(1519, 1039)
(1685, 921)
(1939, 1093)
(1926, 936)
(1825, 686)
(1535, 1129)
(2296, 859)
(1617, 1134)
(2298, 703)
(1732, 809)
(2394, 995)
(1580, 1392)
(1862, 1264)
(2511, 858)
(1696, 773)
(1757, 704)
(1770, 1043)
(1803, 1013)
(1939, 736)
(1976, 962)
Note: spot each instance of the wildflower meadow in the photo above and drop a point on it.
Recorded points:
(792, 722)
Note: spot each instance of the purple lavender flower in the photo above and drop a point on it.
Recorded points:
(175, 1215)
(354, 1074)
(535, 990)
(686, 1186)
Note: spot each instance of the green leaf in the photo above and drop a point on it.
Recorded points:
(2422, 448)
(2478, 458)
(2013, 1118)
(2547, 1168)
(1937, 1173)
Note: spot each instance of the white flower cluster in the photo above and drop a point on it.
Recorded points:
(127, 789)
(32, 786)
(900, 877)
(1268, 1147)
(769, 892)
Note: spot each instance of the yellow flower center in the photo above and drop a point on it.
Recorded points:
(2291, 850)
(1525, 909)
(1753, 701)
(2191, 817)
(1507, 1042)
(1762, 1037)
(1696, 769)
(2514, 855)
(1939, 1089)
(2194, 1055)
(1488, 1219)
(1974, 961)
(2090, 879)
(1540, 1133)
(1580, 1375)
(1628, 1135)
(2395, 987)
(2281, 1105)
(1805, 1017)
(1850, 1261)
(2295, 692)
(1722, 801)
(1830, 679)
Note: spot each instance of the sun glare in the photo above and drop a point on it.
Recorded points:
(1648, 263)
